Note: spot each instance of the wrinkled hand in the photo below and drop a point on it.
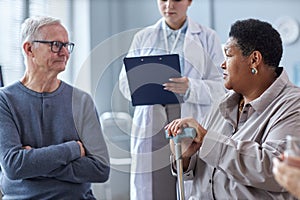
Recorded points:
(189, 147)
(287, 176)
(177, 85)
(82, 150)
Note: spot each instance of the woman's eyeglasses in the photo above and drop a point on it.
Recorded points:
(56, 46)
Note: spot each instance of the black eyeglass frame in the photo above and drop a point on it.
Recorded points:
(68, 45)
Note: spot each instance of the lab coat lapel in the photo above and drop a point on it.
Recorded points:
(153, 36)
(193, 50)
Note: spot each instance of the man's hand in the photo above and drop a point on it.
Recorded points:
(82, 150)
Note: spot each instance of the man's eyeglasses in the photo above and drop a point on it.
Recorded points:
(56, 46)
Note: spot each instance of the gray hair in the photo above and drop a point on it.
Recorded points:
(31, 26)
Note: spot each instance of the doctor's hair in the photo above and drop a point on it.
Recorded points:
(31, 26)
(255, 35)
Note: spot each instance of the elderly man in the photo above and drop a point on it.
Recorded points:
(51, 145)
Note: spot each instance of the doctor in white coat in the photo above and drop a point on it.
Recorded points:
(201, 83)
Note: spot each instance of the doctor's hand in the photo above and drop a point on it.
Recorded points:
(177, 85)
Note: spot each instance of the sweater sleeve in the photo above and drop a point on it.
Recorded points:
(52, 154)
(94, 167)
(20, 163)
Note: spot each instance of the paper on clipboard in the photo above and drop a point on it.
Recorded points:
(146, 74)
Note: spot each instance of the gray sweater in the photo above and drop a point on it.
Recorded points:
(50, 123)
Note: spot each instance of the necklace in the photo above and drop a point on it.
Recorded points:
(241, 105)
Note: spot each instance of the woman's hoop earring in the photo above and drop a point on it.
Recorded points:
(254, 70)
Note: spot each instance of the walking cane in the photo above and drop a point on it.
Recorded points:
(186, 133)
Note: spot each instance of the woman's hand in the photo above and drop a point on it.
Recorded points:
(287, 176)
(189, 146)
(176, 126)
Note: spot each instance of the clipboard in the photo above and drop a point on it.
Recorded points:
(146, 74)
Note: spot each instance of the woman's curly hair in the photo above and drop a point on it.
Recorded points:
(255, 35)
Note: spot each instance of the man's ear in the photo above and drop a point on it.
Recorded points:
(27, 47)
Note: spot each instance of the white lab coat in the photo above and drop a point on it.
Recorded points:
(203, 56)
